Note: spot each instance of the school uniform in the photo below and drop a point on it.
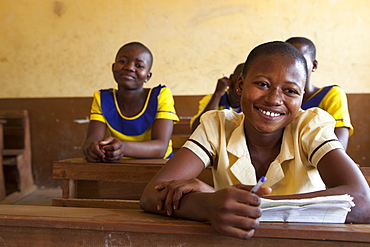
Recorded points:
(220, 141)
(223, 104)
(333, 100)
(159, 105)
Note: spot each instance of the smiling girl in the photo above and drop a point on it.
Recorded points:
(296, 150)
(139, 120)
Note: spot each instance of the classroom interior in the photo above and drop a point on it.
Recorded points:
(55, 54)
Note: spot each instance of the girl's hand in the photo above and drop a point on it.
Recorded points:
(112, 148)
(172, 192)
(93, 152)
(234, 211)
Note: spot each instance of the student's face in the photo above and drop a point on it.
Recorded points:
(271, 92)
(132, 67)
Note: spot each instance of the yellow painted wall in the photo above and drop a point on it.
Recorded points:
(65, 48)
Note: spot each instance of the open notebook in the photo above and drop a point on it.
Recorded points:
(326, 209)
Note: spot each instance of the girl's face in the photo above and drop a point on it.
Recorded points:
(132, 67)
(271, 92)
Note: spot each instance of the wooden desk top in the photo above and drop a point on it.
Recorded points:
(131, 170)
(97, 221)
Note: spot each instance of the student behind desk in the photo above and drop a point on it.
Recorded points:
(296, 150)
(330, 98)
(224, 97)
(139, 120)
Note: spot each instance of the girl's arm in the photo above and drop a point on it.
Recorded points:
(155, 148)
(232, 211)
(341, 176)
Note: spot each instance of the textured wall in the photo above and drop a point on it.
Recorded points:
(65, 48)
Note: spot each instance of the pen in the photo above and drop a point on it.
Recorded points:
(259, 184)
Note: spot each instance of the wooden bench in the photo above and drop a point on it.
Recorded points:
(16, 154)
(22, 225)
(107, 185)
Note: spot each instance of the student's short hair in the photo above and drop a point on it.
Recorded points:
(305, 41)
(275, 48)
(141, 46)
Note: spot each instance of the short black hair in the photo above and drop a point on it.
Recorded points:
(135, 43)
(275, 48)
(305, 41)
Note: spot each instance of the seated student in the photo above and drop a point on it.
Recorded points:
(330, 98)
(139, 120)
(224, 97)
(296, 150)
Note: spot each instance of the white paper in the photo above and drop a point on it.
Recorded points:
(327, 209)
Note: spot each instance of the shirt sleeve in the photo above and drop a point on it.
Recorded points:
(166, 105)
(96, 112)
(317, 135)
(335, 103)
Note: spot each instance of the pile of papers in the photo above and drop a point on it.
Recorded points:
(327, 209)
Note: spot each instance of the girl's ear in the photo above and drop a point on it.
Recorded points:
(315, 64)
(239, 85)
(148, 76)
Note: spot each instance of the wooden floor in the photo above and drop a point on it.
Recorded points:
(40, 197)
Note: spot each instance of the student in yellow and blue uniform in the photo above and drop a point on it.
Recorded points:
(224, 97)
(330, 98)
(139, 120)
(297, 150)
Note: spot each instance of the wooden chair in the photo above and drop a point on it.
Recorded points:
(17, 152)
(107, 185)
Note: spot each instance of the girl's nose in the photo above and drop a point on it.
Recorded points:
(129, 66)
(274, 97)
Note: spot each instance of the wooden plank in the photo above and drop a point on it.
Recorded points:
(133, 173)
(124, 180)
(130, 171)
(97, 203)
(43, 225)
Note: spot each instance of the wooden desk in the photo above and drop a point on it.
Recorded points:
(110, 185)
(60, 226)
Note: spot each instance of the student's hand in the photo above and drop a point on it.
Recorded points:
(172, 192)
(234, 211)
(93, 153)
(113, 149)
(222, 85)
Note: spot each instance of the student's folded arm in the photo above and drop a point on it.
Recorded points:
(232, 211)
(183, 165)
(342, 176)
(156, 147)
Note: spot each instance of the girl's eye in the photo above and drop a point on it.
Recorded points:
(122, 61)
(261, 84)
(291, 91)
(140, 66)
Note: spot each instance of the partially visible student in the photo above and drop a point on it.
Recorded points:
(330, 98)
(224, 97)
(296, 150)
(139, 120)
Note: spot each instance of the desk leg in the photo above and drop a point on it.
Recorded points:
(68, 189)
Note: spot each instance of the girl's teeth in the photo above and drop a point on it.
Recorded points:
(268, 113)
